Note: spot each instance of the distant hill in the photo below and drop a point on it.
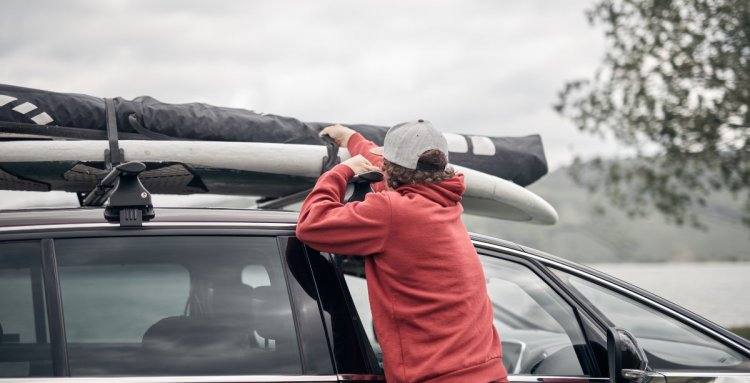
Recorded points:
(586, 235)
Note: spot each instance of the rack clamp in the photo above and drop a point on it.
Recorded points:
(129, 202)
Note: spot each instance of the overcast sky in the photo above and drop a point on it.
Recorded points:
(490, 68)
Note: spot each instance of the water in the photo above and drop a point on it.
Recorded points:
(717, 291)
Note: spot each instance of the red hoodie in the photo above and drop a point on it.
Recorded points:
(429, 302)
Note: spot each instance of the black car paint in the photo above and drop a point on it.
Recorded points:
(305, 285)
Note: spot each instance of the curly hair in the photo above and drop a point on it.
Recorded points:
(431, 167)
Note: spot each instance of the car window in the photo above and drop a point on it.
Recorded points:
(176, 306)
(24, 337)
(669, 343)
(539, 330)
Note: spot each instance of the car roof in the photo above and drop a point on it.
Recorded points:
(63, 216)
(87, 215)
(33, 217)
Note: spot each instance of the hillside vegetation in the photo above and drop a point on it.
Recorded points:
(591, 230)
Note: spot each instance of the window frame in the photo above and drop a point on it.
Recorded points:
(367, 355)
(58, 353)
(591, 362)
(55, 311)
(310, 325)
(56, 319)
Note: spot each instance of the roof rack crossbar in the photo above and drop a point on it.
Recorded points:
(280, 202)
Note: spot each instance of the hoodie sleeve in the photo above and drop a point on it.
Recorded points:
(356, 228)
(358, 144)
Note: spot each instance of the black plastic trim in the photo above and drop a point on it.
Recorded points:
(364, 343)
(38, 302)
(281, 247)
(311, 333)
(60, 365)
(144, 231)
(326, 332)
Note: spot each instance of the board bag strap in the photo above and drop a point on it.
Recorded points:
(114, 155)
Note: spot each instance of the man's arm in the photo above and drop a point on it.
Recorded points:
(358, 144)
(357, 228)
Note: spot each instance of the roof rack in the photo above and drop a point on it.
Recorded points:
(129, 201)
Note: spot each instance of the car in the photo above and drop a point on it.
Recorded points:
(226, 295)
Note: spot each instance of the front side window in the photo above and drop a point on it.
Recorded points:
(176, 306)
(670, 345)
(24, 338)
(539, 330)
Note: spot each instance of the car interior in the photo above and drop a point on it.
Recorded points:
(174, 309)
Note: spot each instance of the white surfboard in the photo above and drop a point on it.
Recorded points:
(485, 195)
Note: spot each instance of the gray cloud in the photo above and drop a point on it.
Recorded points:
(482, 67)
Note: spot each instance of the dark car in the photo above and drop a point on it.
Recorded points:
(215, 295)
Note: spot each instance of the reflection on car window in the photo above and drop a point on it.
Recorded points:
(24, 338)
(176, 306)
(124, 296)
(669, 343)
(539, 330)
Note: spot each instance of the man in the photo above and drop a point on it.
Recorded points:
(432, 314)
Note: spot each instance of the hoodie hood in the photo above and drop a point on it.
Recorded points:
(446, 193)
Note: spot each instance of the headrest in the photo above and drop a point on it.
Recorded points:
(234, 300)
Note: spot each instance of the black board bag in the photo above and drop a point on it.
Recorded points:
(79, 116)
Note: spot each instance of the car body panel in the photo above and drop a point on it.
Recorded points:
(86, 222)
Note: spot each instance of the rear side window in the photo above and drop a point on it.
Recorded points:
(24, 338)
(176, 306)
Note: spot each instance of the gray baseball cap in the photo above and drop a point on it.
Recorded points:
(405, 142)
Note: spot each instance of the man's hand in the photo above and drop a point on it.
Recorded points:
(360, 164)
(339, 133)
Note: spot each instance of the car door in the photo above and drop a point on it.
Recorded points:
(541, 331)
(156, 308)
(677, 347)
